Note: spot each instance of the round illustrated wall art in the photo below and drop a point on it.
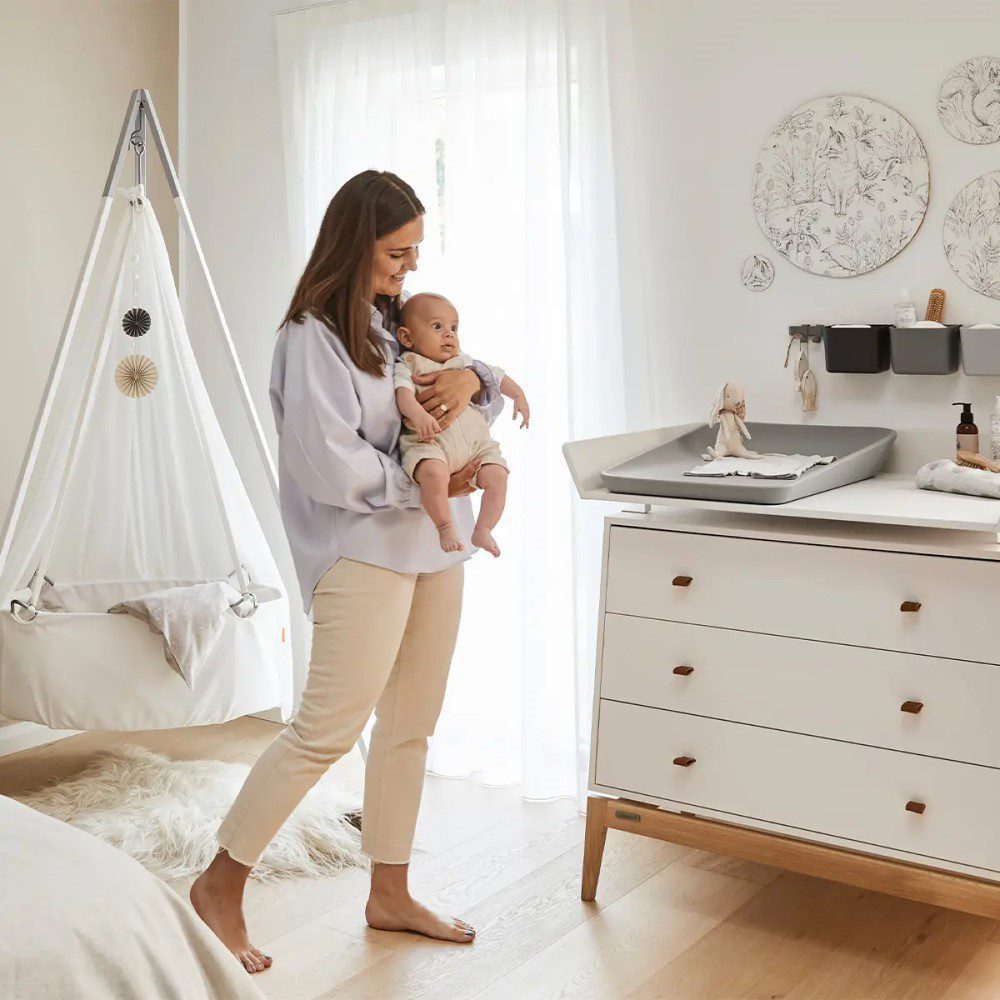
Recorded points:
(136, 376)
(972, 234)
(841, 185)
(756, 273)
(969, 100)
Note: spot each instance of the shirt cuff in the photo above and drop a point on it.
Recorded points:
(490, 389)
(411, 493)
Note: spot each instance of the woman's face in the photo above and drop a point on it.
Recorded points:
(395, 255)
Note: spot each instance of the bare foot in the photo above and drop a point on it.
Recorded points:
(449, 538)
(483, 539)
(404, 913)
(218, 900)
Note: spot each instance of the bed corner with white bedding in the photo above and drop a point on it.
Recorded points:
(81, 919)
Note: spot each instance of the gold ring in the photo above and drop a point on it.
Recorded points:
(444, 408)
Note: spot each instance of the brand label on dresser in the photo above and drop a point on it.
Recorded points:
(622, 814)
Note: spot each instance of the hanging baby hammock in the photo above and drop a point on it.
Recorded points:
(129, 495)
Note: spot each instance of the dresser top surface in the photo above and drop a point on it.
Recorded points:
(886, 499)
(889, 499)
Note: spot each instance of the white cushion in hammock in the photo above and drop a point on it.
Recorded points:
(83, 668)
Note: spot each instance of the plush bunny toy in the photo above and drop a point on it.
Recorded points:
(728, 412)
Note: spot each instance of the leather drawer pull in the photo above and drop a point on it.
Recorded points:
(911, 606)
(683, 671)
(916, 807)
(682, 581)
(913, 707)
(688, 761)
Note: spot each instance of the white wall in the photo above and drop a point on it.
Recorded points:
(67, 68)
(715, 77)
(232, 171)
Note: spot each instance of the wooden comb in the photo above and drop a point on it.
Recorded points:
(935, 305)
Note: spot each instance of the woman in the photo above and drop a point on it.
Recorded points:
(385, 598)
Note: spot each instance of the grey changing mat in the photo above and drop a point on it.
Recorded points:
(860, 452)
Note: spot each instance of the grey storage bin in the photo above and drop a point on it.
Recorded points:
(857, 350)
(980, 351)
(924, 350)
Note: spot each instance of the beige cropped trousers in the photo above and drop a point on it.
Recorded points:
(381, 640)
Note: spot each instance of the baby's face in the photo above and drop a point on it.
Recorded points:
(431, 330)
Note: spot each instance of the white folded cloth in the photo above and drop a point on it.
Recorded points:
(765, 467)
(946, 476)
(190, 619)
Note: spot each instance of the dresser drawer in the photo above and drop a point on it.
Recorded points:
(917, 704)
(839, 789)
(841, 595)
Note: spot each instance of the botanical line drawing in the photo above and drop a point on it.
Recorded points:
(841, 185)
(972, 234)
(969, 100)
(757, 273)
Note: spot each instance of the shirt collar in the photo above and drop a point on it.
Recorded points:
(379, 328)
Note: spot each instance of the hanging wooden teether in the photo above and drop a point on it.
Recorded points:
(805, 379)
(809, 390)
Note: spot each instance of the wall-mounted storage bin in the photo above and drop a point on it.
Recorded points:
(981, 351)
(924, 350)
(857, 349)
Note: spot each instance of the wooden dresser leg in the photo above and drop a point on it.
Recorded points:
(593, 845)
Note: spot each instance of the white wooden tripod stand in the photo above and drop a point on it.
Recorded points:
(140, 115)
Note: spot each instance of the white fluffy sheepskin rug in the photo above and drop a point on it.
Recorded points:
(165, 813)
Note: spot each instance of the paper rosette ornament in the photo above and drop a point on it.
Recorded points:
(136, 376)
(136, 322)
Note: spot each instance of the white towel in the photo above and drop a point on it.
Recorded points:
(947, 477)
(765, 467)
(190, 619)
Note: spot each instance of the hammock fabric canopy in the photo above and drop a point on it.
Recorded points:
(133, 491)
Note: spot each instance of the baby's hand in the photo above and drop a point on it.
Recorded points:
(424, 425)
(521, 409)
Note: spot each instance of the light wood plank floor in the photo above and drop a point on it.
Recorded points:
(668, 922)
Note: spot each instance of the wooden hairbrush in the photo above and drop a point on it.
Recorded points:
(973, 461)
(935, 305)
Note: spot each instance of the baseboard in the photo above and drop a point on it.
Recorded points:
(20, 736)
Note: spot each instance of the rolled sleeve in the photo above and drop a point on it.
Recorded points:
(488, 400)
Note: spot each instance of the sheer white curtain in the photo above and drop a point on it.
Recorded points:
(507, 117)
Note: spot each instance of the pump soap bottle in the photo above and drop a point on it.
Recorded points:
(967, 433)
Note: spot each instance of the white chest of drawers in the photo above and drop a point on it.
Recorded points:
(820, 696)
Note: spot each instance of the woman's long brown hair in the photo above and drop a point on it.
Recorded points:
(336, 285)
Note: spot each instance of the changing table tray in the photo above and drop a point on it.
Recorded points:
(861, 453)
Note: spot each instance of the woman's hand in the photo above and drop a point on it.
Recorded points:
(460, 483)
(452, 388)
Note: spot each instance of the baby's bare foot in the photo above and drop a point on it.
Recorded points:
(403, 913)
(483, 539)
(449, 538)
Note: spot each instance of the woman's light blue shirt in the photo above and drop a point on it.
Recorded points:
(343, 493)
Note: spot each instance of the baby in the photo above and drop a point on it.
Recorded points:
(429, 336)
